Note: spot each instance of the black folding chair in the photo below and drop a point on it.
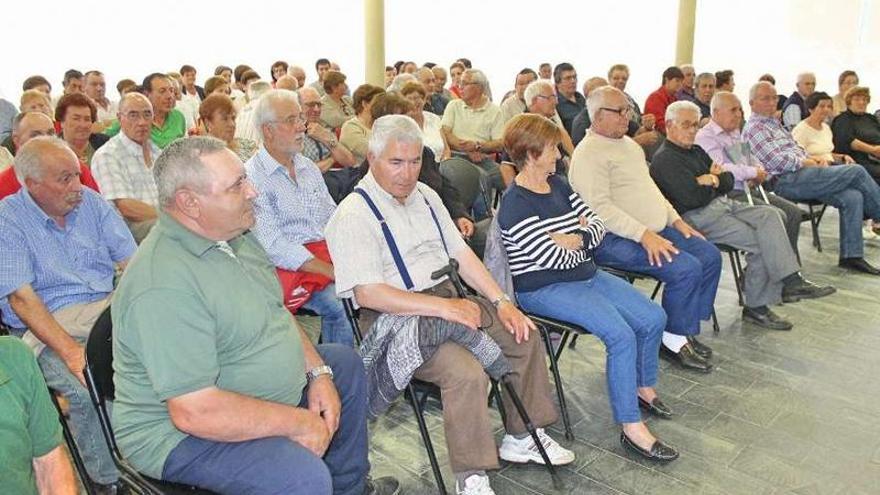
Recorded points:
(99, 382)
(815, 214)
(75, 454)
(737, 268)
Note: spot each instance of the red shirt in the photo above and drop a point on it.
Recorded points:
(656, 105)
(9, 184)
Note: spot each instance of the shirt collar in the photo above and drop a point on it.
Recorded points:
(135, 148)
(189, 240)
(270, 165)
(373, 187)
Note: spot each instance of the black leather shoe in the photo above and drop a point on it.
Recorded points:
(658, 452)
(804, 289)
(687, 358)
(768, 320)
(858, 265)
(656, 407)
(700, 348)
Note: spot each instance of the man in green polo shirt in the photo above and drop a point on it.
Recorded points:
(33, 460)
(216, 384)
(168, 122)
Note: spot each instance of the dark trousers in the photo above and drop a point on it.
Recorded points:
(691, 280)
(278, 464)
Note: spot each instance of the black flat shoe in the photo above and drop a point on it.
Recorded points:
(700, 348)
(858, 265)
(768, 320)
(687, 358)
(658, 452)
(656, 407)
(804, 289)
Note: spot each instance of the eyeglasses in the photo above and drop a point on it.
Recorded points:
(688, 126)
(623, 112)
(313, 104)
(293, 119)
(547, 97)
(133, 115)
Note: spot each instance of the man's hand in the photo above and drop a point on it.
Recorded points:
(648, 121)
(760, 175)
(708, 180)
(465, 226)
(515, 322)
(657, 248)
(686, 230)
(475, 156)
(462, 311)
(571, 242)
(313, 434)
(467, 146)
(715, 169)
(324, 401)
(648, 138)
(847, 160)
(75, 360)
(317, 131)
(814, 162)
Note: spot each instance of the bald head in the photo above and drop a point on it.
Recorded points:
(130, 98)
(427, 78)
(593, 83)
(299, 73)
(30, 125)
(287, 82)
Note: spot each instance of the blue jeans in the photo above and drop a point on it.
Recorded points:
(849, 188)
(335, 328)
(628, 323)
(278, 464)
(83, 418)
(691, 280)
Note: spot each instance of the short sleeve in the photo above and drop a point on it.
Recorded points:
(355, 245)
(115, 234)
(16, 263)
(44, 426)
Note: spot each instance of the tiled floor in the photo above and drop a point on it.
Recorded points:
(783, 412)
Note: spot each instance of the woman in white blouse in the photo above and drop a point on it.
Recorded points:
(429, 122)
(814, 134)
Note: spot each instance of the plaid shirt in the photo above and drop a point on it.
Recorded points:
(772, 145)
(121, 172)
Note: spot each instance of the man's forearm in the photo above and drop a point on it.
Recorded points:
(54, 474)
(134, 210)
(314, 265)
(387, 299)
(474, 272)
(37, 318)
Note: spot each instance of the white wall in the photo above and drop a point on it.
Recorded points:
(751, 37)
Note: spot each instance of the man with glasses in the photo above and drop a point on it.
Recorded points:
(292, 210)
(645, 233)
(540, 97)
(570, 101)
(124, 166)
(320, 144)
(697, 187)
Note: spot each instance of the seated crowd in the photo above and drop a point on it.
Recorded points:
(210, 217)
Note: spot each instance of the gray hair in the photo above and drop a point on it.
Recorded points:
(180, 165)
(753, 91)
(679, 107)
(30, 158)
(720, 98)
(478, 77)
(534, 89)
(599, 97)
(398, 128)
(685, 66)
(264, 111)
(803, 75)
(257, 89)
(703, 76)
(400, 81)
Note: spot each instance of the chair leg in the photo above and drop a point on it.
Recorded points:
(715, 327)
(656, 289)
(562, 342)
(496, 394)
(573, 343)
(736, 267)
(426, 439)
(557, 380)
(814, 226)
(72, 447)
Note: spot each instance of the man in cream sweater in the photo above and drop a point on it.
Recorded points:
(645, 234)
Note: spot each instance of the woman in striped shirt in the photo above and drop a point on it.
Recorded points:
(549, 234)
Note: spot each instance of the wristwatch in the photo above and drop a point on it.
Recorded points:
(317, 371)
(500, 299)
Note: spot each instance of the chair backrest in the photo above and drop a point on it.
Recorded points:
(465, 176)
(99, 356)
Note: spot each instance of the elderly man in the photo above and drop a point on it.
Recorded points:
(241, 402)
(76, 113)
(569, 101)
(798, 177)
(440, 78)
(287, 82)
(60, 245)
(647, 136)
(664, 95)
(795, 107)
(123, 167)
(320, 145)
(696, 187)
(645, 233)
(299, 73)
(473, 127)
(721, 139)
(292, 209)
(96, 89)
(704, 90)
(34, 460)
(26, 127)
(244, 122)
(687, 90)
(322, 66)
(540, 97)
(168, 123)
(582, 121)
(436, 102)
(516, 103)
(385, 280)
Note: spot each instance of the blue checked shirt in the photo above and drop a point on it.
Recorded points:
(772, 145)
(65, 266)
(289, 212)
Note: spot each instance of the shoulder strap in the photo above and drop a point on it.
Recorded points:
(389, 239)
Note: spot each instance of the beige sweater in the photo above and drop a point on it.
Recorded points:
(612, 177)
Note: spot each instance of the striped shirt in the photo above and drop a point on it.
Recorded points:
(772, 145)
(527, 219)
(290, 212)
(65, 266)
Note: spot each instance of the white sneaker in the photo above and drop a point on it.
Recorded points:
(868, 233)
(477, 484)
(524, 450)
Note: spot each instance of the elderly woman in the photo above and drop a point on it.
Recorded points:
(847, 80)
(814, 135)
(217, 84)
(429, 122)
(355, 132)
(75, 113)
(857, 132)
(549, 234)
(278, 70)
(337, 106)
(217, 114)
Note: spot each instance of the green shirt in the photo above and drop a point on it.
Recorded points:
(187, 315)
(29, 424)
(175, 127)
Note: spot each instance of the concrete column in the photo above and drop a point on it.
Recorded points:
(687, 19)
(374, 42)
